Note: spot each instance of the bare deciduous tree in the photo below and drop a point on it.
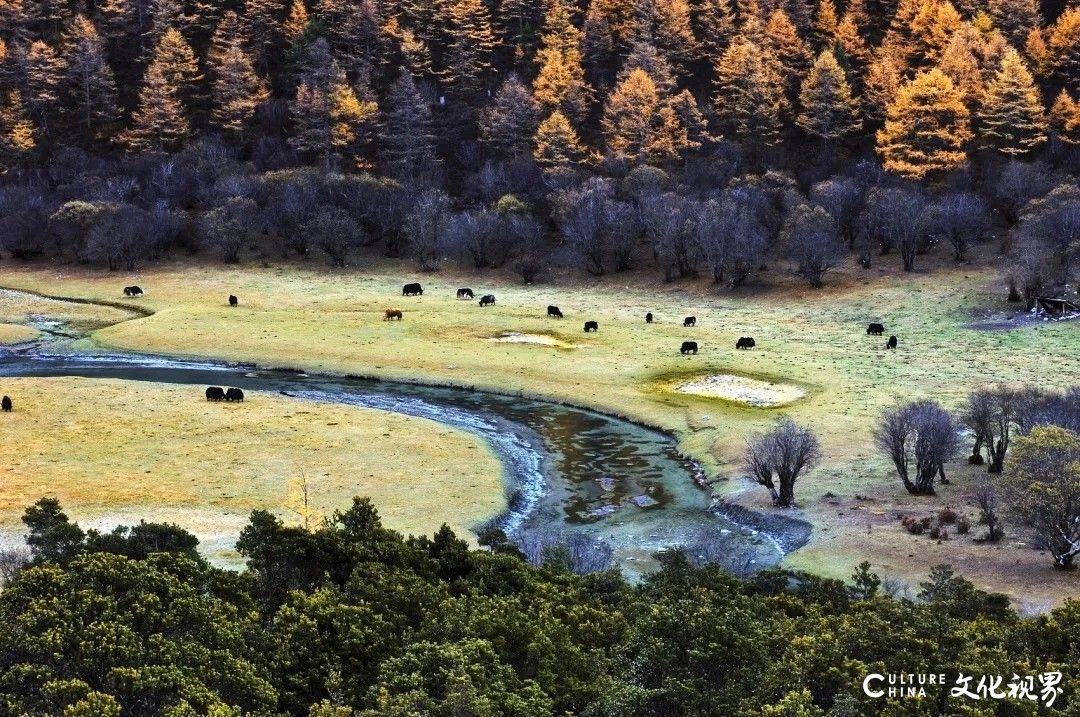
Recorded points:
(785, 451)
(987, 501)
(811, 240)
(991, 414)
(334, 231)
(425, 227)
(919, 438)
(962, 218)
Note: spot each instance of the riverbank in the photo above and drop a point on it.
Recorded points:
(118, 451)
(332, 323)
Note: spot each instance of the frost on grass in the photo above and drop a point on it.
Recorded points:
(748, 391)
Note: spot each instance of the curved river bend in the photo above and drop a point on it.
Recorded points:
(569, 472)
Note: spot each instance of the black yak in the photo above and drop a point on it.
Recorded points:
(487, 300)
(688, 347)
(5, 403)
(745, 342)
(215, 393)
(464, 294)
(412, 290)
(234, 394)
(891, 343)
(554, 313)
(591, 326)
(875, 330)
(689, 321)
(648, 318)
(233, 301)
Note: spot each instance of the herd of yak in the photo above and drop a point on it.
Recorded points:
(216, 393)
(688, 347)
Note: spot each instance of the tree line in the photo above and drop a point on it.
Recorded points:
(705, 136)
(348, 618)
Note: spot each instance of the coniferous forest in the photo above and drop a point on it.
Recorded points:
(715, 132)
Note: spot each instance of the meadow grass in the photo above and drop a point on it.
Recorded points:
(116, 451)
(331, 321)
(17, 334)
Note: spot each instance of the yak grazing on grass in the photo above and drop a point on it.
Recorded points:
(648, 318)
(746, 342)
(233, 301)
(591, 326)
(5, 403)
(412, 290)
(215, 393)
(464, 293)
(554, 313)
(234, 394)
(689, 321)
(487, 300)
(132, 291)
(391, 314)
(875, 329)
(688, 347)
(891, 343)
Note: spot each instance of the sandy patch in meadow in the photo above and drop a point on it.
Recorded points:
(740, 389)
(513, 337)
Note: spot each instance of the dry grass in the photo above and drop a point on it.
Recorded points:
(332, 322)
(114, 451)
(17, 334)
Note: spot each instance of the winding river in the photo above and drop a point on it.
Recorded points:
(571, 473)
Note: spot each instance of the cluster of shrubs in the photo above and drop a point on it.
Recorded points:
(937, 527)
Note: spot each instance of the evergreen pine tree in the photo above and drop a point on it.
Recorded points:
(630, 115)
(749, 98)
(826, 23)
(715, 24)
(327, 114)
(556, 144)
(159, 123)
(508, 124)
(785, 47)
(1012, 118)
(471, 48)
(43, 71)
(237, 92)
(1015, 18)
(926, 127)
(88, 81)
(406, 137)
(1065, 119)
(828, 110)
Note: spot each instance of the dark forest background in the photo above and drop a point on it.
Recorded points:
(691, 137)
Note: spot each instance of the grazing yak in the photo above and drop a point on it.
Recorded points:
(132, 291)
(746, 342)
(648, 318)
(5, 403)
(391, 314)
(233, 301)
(465, 294)
(412, 290)
(554, 313)
(234, 394)
(689, 321)
(875, 329)
(591, 326)
(215, 393)
(891, 343)
(487, 300)
(688, 347)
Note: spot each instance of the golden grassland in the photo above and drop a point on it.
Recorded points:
(115, 451)
(17, 334)
(331, 321)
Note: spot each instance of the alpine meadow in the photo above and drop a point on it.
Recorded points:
(540, 358)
